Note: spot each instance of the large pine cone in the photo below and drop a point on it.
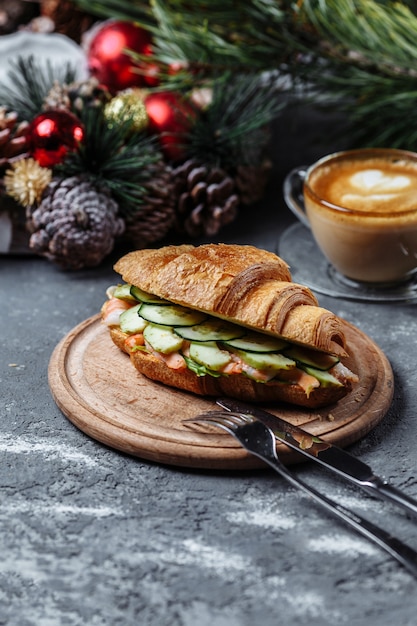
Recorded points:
(75, 224)
(206, 198)
(13, 143)
(156, 216)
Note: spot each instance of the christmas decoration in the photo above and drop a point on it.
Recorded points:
(170, 116)
(110, 62)
(76, 224)
(51, 135)
(96, 168)
(127, 106)
(26, 181)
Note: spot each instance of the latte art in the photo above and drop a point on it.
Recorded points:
(377, 181)
(381, 185)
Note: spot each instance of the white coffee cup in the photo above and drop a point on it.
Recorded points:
(361, 206)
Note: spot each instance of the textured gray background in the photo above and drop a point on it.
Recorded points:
(90, 536)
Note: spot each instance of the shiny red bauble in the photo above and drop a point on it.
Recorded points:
(171, 117)
(52, 134)
(110, 62)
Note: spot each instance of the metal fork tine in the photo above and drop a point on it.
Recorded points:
(222, 418)
(258, 439)
(226, 425)
(225, 421)
(238, 418)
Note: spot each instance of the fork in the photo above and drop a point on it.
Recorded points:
(259, 440)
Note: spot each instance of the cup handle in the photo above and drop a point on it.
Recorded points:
(293, 193)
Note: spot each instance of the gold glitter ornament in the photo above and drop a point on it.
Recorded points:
(26, 181)
(127, 106)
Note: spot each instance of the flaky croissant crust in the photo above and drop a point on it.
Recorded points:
(242, 283)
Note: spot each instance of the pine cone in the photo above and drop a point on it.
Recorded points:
(16, 13)
(206, 198)
(75, 96)
(251, 181)
(75, 224)
(154, 219)
(13, 143)
(67, 19)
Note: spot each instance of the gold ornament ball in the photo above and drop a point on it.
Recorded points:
(127, 106)
(26, 181)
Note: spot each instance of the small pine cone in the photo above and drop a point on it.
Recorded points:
(76, 96)
(206, 198)
(67, 19)
(13, 143)
(251, 181)
(75, 225)
(156, 216)
(16, 13)
(57, 98)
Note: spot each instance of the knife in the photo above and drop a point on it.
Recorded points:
(325, 453)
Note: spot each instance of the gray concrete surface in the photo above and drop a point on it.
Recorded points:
(90, 536)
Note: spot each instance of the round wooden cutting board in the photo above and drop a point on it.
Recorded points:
(97, 388)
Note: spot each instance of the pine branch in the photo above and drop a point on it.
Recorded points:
(113, 156)
(364, 33)
(136, 11)
(386, 114)
(232, 129)
(32, 81)
(358, 56)
(209, 35)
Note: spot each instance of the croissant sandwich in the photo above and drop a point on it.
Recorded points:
(222, 319)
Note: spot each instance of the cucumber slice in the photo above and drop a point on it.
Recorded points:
(171, 315)
(265, 360)
(209, 354)
(326, 379)
(211, 330)
(143, 296)
(162, 339)
(313, 358)
(131, 322)
(257, 342)
(123, 292)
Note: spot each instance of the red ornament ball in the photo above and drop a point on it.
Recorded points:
(52, 134)
(112, 65)
(171, 117)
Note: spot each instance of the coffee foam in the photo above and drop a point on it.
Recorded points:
(375, 184)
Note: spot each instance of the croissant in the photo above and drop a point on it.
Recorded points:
(274, 341)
